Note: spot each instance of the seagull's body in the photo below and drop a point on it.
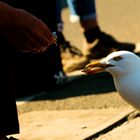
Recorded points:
(124, 66)
(129, 88)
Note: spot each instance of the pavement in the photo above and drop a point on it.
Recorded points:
(78, 124)
(71, 124)
(122, 20)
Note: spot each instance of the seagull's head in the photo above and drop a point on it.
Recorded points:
(120, 62)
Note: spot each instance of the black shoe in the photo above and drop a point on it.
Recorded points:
(103, 44)
(111, 42)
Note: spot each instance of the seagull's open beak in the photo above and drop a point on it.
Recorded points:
(95, 67)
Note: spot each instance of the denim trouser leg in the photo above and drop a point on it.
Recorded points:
(74, 17)
(85, 9)
(71, 7)
(58, 11)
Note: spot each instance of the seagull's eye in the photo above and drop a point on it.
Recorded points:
(117, 58)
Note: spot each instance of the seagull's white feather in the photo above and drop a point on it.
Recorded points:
(129, 63)
(126, 75)
(124, 66)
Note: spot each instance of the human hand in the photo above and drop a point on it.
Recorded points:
(26, 32)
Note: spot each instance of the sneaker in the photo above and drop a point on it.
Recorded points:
(103, 45)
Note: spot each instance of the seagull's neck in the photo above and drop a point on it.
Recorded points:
(126, 77)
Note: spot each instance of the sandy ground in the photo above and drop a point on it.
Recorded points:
(67, 124)
(84, 105)
(71, 113)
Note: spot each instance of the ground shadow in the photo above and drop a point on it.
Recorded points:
(84, 85)
(100, 83)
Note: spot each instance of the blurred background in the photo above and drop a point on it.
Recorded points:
(120, 18)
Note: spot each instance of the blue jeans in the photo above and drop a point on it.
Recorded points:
(58, 11)
(71, 7)
(85, 9)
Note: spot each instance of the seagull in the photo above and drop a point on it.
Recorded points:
(124, 66)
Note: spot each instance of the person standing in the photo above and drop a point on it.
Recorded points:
(97, 44)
